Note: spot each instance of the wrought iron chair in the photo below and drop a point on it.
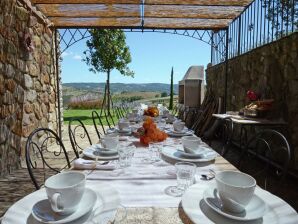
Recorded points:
(181, 112)
(268, 159)
(41, 145)
(109, 119)
(97, 121)
(118, 114)
(227, 132)
(78, 131)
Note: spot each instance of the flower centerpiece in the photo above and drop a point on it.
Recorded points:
(152, 112)
(150, 133)
(252, 96)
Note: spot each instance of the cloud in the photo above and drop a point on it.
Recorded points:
(66, 53)
(77, 57)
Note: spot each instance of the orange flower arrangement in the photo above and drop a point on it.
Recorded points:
(152, 112)
(150, 133)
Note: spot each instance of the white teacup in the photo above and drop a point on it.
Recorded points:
(166, 113)
(135, 111)
(65, 191)
(123, 124)
(191, 144)
(178, 125)
(110, 141)
(235, 189)
(170, 118)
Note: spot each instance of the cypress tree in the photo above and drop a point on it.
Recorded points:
(172, 90)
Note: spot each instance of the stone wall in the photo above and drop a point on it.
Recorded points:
(271, 69)
(27, 81)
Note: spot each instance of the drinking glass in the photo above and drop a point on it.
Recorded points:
(162, 124)
(154, 151)
(125, 155)
(185, 177)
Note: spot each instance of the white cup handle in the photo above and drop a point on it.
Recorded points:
(54, 199)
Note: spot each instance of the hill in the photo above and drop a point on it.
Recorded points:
(120, 87)
(118, 90)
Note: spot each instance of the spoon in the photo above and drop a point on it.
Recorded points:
(209, 176)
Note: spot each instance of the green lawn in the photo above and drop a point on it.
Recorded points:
(84, 115)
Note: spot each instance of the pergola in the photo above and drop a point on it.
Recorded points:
(144, 14)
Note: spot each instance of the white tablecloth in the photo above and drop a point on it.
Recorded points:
(144, 184)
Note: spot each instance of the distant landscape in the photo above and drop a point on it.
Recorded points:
(80, 99)
(119, 91)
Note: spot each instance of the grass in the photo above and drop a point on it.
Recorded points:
(84, 115)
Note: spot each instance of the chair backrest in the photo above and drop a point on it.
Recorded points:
(109, 119)
(275, 153)
(97, 121)
(118, 114)
(45, 155)
(78, 136)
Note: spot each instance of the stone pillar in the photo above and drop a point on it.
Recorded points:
(192, 93)
(27, 81)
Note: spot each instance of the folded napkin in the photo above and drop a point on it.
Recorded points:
(82, 164)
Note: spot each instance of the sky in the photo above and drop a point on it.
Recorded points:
(153, 55)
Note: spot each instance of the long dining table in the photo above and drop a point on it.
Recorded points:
(141, 191)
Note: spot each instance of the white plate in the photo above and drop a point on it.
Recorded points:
(254, 210)
(196, 155)
(193, 204)
(173, 153)
(124, 131)
(104, 151)
(180, 134)
(89, 152)
(20, 212)
(43, 212)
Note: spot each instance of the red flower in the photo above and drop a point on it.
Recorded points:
(252, 95)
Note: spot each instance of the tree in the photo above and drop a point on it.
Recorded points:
(163, 94)
(172, 90)
(281, 14)
(107, 50)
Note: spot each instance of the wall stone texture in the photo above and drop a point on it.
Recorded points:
(272, 70)
(28, 82)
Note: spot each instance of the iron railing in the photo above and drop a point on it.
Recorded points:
(262, 22)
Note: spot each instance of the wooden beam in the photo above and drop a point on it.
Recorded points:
(154, 11)
(89, 10)
(170, 23)
(95, 22)
(85, 1)
(149, 2)
(152, 23)
(200, 2)
(201, 12)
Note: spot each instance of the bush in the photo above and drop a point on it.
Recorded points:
(164, 94)
(90, 104)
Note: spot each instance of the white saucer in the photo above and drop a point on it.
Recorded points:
(180, 133)
(89, 152)
(101, 151)
(195, 155)
(256, 208)
(124, 131)
(43, 212)
(172, 153)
